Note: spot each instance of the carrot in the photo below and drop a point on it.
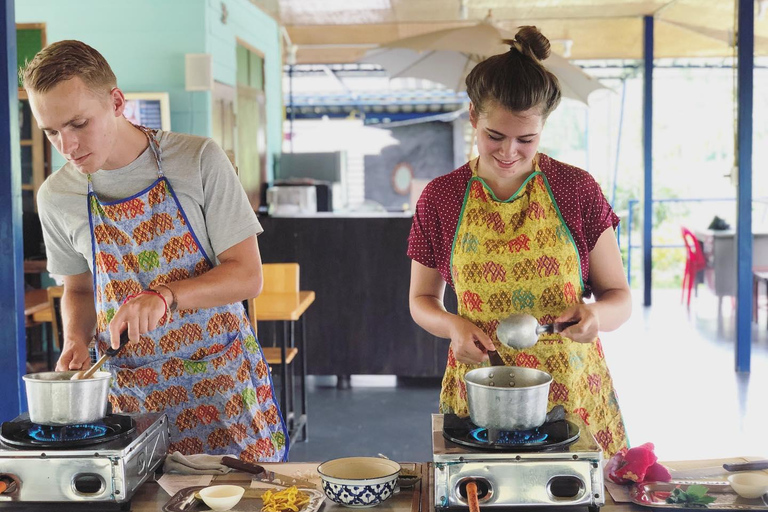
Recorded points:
(472, 501)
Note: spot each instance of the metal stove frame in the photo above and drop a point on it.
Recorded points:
(109, 472)
(571, 476)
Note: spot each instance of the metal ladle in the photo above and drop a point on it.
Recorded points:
(87, 374)
(521, 330)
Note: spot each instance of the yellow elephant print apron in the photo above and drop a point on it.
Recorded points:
(518, 256)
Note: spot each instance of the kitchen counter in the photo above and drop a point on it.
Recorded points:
(151, 497)
(360, 323)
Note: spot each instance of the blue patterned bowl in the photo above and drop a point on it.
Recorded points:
(359, 482)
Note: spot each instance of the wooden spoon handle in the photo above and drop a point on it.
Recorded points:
(93, 369)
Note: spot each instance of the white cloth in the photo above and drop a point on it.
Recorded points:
(200, 464)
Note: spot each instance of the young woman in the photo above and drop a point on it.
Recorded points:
(517, 231)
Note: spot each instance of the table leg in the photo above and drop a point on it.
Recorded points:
(303, 362)
(292, 380)
(283, 379)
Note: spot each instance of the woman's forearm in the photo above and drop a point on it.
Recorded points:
(613, 308)
(430, 314)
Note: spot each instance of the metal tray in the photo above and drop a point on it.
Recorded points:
(654, 494)
(183, 501)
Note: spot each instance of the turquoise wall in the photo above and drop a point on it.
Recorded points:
(145, 42)
(252, 26)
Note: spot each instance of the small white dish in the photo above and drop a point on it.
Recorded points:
(222, 497)
(749, 485)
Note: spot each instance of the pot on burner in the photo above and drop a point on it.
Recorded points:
(507, 397)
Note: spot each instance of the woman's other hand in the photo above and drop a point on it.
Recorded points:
(585, 331)
(469, 343)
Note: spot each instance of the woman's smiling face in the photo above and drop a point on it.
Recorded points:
(506, 141)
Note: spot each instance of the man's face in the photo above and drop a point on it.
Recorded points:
(80, 123)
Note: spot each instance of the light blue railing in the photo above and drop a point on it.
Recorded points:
(631, 215)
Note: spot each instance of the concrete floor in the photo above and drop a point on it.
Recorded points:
(673, 370)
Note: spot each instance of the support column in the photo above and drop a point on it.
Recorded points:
(12, 333)
(648, 27)
(745, 71)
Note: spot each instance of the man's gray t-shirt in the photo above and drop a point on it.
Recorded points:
(201, 177)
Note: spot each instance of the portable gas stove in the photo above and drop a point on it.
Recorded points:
(102, 462)
(556, 464)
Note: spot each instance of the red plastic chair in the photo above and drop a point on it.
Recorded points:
(694, 263)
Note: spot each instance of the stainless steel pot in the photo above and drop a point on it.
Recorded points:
(54, 399)
(507, 397)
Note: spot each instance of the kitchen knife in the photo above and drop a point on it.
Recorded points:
(747, 466)
(264, 475)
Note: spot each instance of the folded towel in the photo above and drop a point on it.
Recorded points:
(199, 464)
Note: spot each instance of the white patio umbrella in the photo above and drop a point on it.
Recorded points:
(447, 56)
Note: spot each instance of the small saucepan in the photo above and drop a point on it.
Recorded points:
(507, 397)
(54, 399)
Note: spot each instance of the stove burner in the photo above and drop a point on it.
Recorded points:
(22, 433)
(67, 433)
(554, 435)
(520, 437)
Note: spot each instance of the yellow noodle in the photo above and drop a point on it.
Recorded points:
(286, 500)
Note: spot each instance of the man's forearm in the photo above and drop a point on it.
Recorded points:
(226, 283)
(78, 315)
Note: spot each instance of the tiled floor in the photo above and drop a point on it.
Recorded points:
(673, 371)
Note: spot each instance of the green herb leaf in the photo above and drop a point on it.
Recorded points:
(694, 496)
(696, 490)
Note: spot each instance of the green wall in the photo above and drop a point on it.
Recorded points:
(145, 42)
(252, 26)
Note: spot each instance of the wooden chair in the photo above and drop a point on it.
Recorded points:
(278, 278)
(282, 278)
(54, 303)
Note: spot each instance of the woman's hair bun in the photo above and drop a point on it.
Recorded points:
(533, 41)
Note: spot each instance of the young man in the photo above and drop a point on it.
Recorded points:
(153, 235)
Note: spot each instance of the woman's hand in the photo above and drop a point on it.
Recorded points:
(589, 324)
(469, 343)
(139, 315)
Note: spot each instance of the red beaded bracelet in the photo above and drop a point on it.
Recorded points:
(151, 292)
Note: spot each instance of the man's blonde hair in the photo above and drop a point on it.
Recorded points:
(64, 60)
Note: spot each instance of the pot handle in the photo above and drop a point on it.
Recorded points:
(111, 352)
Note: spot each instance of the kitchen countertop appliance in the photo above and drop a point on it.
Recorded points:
(100, 463)
(555, 465)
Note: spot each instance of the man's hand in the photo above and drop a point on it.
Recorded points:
(469, 343)
(74, 356)
(79, 320)
(139, 315)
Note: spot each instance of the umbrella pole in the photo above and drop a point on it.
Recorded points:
(290, 105)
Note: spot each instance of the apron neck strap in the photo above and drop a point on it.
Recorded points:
(154, 145)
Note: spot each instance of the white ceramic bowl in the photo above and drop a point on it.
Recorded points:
(359, 482)
(222, 497)
(749, 485)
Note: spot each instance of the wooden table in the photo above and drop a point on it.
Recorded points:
(36, 307)
(37, 311)
(151, 497)
(287, 309)
(719, 249)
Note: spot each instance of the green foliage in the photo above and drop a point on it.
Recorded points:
(694, 496)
